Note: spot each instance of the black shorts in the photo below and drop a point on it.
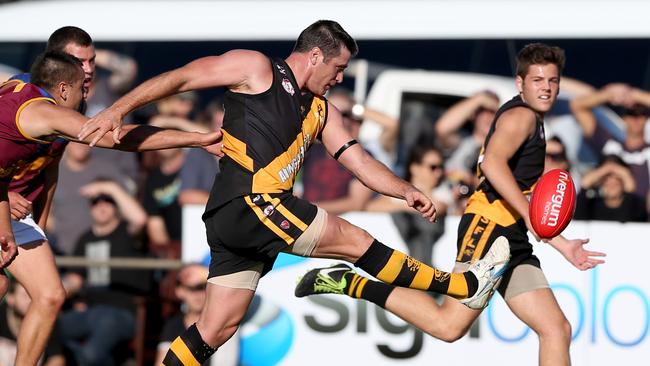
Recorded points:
(477, 233)
(254, 229)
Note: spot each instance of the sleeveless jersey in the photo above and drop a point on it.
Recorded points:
(265, 137)
(527, 165)
(19, 150)
(28, 181)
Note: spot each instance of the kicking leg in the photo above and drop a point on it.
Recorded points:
(340, 239)
(448, 321)
(343, 240)
(35, 269)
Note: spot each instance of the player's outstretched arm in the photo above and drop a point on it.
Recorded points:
(41, 119)
(368, 170)
(574, 251)
(233, 69)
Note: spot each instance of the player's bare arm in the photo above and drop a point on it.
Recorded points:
(42, 119)
(43, 203)
(368, 170)
(513, 128)
(241, 71)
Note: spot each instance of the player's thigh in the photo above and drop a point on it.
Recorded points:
(341, 239)
(35, 269)
(539, 310)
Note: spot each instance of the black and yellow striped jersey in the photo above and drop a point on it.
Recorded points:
(527, 165)
(265, 137)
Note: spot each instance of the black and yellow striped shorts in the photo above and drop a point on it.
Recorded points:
(252, 230)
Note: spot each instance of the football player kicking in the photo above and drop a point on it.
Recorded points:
(511, 161)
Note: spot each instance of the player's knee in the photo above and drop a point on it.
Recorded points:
(559, 330)
(50, 298)
(449, 333)
(446, 329)
(565, 329)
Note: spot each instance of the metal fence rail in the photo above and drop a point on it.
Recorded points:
(119, 262)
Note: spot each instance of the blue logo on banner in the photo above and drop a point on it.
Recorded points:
(272, 337)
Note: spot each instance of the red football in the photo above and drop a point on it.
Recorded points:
(552, 203)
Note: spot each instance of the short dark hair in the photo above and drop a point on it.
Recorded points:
(540, 54)
(327, 35)
(52, 67)
(66, 35)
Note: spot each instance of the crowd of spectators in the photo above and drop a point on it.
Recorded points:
(115, 204)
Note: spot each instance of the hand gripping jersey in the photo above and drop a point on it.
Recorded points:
(527, 165)
(23, 157)
(265, 137)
